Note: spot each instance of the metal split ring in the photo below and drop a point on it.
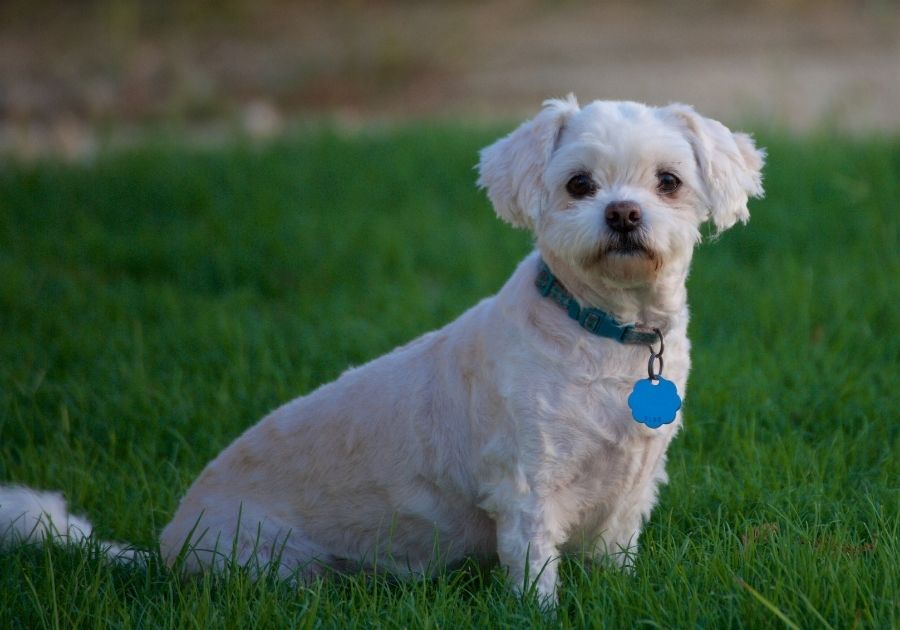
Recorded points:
(656, 356)
(654, 376)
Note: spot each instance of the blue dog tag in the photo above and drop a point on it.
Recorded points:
(654, 404)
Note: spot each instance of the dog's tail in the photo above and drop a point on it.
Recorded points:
(31, 516)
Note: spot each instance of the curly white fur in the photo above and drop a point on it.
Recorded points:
(507, 431)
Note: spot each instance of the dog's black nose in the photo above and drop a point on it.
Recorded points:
(623, 216)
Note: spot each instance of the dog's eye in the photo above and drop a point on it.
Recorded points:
(581, 186)
(667, 183)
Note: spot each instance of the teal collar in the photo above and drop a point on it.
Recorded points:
(593, 320)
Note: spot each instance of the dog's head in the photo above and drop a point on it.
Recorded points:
(620, 189)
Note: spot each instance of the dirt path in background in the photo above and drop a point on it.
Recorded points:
(68, 74)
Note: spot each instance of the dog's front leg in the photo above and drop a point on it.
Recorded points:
(529, 551)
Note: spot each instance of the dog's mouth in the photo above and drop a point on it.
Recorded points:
(625, 245)
(626, 258)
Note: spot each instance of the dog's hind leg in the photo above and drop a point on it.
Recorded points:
(241, 536)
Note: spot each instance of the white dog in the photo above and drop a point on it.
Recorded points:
(508, 431)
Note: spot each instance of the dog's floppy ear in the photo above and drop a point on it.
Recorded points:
(729, 163)
(512, 169)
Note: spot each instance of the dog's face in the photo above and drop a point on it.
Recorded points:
(619, 189)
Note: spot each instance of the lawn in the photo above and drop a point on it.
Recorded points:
(156, 302)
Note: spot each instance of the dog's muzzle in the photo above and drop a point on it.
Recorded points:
(625, 222)
(623, 217)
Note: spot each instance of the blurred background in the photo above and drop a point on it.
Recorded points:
(75, 76)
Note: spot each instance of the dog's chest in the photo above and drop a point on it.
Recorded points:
(609, 479)
(598, 467)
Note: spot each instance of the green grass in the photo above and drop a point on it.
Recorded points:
(157, 302)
